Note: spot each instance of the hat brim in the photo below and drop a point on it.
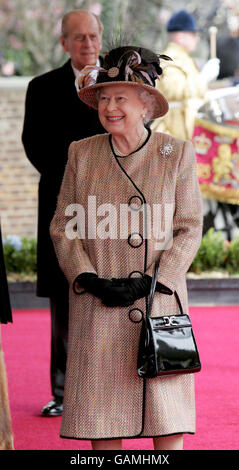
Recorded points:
(187, 30)
(88, 96)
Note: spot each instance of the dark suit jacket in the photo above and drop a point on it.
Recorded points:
(228, 53)
(54, 117)
(5, 307)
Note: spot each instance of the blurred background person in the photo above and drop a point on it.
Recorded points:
(182, 83)
(54, 117)
(6, 436)
(228, 49)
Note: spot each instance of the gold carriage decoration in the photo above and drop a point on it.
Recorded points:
(217, 152)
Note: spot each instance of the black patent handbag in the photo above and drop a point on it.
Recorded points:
(167, 344)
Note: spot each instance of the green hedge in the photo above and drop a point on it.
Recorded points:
(215, 253)
(20, 255)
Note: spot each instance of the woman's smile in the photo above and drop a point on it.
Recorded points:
(114, 118)
(120, 111)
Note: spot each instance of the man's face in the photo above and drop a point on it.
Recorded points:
(191, 40)
(83, 40)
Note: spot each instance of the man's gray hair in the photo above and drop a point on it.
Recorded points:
(65, 18)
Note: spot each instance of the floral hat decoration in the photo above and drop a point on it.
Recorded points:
(131, 65)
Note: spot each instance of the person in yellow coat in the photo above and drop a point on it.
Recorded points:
(182, 83)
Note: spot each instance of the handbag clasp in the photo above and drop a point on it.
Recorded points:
(170, 321)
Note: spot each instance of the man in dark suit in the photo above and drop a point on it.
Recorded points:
(5, 305)
(54, 117)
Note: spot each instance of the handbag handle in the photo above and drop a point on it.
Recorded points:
(152, 291)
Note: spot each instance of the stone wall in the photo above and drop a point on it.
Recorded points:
(18, 178)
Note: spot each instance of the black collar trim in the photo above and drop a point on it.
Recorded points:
(141, 146)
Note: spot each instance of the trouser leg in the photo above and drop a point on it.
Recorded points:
(59, 305)
(6, 436)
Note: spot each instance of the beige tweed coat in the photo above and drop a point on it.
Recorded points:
(104, 397)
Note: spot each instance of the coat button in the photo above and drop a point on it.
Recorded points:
(135, 240)
(136, 315)
(135, 203)
(135, 274)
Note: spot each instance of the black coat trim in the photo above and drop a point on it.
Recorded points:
(126, 437)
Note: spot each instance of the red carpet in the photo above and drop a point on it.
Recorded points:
(26, 345)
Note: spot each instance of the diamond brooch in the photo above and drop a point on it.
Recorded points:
(166, 150)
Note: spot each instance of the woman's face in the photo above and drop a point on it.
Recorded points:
(120, 109)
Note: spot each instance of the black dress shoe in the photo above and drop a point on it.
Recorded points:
(53, 408)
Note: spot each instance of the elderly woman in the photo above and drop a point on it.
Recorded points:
(128, 197)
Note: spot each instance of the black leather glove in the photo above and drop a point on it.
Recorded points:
(140, 286)
(163, 289)
(125, 291)
(91, 283)
(118, 296)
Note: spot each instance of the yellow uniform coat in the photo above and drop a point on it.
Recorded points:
(182, 87)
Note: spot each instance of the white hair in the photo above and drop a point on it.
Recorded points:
(149, 102)
(80, 13)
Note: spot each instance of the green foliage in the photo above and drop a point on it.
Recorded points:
(22, 60)
(212, 254)
(21, 258)
(232, 262)
(215, 253)
(29, 31)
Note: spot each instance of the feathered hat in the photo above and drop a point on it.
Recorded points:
(128, 65)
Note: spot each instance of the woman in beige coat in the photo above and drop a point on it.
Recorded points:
(127, 198)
